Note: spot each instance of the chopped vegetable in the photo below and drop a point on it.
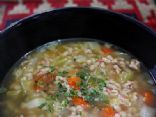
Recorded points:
(42, 105)
(47, 78)
(46, 104)
(64, 102)
(126, 76)
(43, 77)
(107, 50)
(80, 101)
(107, 112)
(73, 93)
(83, 73)
(74, 82)
(38, 88)
(148, 98)
(63, 73)
(52, 68)
(37, 102)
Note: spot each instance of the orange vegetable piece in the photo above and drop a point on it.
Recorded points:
(47, 78)
(37, 77)
(148, 98)
(107, 50)
(107, 112)
(38, 88)
(80, 101)
(73, 82)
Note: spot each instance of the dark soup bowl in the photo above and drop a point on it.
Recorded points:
(77, 23)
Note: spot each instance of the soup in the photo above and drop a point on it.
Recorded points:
(78, 79)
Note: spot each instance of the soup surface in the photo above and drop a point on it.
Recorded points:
(78, 79)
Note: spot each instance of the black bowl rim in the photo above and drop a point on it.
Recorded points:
(117, 14)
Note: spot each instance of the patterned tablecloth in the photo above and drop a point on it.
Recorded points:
(143, 10)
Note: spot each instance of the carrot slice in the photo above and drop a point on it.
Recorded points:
(107, 112)
(148, 98)
(107, 50)
(73, 82)
(80, 101)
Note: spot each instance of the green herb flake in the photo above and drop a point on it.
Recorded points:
(49, 103)
(52, 68)
(66, 94)
(42, 105)
(64, 103)
(83, 73)
(101, 83)
(63, 73)
(73, 93)
(74, 59)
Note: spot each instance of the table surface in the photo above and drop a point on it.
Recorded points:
(142, 10)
